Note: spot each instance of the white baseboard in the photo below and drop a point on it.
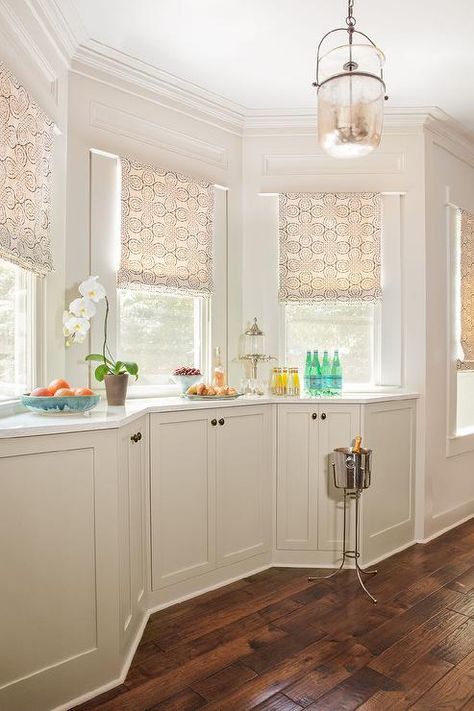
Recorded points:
(389, 555)
(445, 529)
(209, 588)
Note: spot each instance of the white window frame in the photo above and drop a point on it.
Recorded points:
(388, 316)
(105, 259)
(34, 288)
(458, 441)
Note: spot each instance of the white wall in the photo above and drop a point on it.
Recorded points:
(27, 49)
(449, 490)
(123, 121)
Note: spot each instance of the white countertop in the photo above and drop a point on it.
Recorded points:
(24, 423)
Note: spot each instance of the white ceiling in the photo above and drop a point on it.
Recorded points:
(260, 53)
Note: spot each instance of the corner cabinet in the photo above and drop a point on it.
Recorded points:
(210, 490)
(309, 509)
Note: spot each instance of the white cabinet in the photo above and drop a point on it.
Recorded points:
(183, 492)
(58, 567)
(132, 509)
(210, 490)
(297, 477)
(388, 507)
(243, 479)
(309, 508)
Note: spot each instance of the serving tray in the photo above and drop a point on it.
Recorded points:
(212, 397)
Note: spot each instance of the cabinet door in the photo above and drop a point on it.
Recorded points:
(59, 568)
(338, 425)
(133, 469)
(243, 479)
(182, 495)
(388, 506)
(297, 477)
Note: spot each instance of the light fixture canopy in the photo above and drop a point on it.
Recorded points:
(351, 92)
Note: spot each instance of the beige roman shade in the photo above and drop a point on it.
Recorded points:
(167, 230)
(467, 290)
(26, 143)
(329, 247)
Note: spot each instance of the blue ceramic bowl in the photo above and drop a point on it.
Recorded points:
(60, 405)
(185, 381)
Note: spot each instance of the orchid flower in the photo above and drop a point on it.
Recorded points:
(92, 289)
(77, 326)
(82, 307)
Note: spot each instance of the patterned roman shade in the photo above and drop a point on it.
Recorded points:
(329, 247)
(467, 290)
(167, 230)
(26, 143)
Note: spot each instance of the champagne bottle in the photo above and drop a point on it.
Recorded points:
(307, 374)
(326, 384)
(315, 376)
(357, 445)
(336, 375)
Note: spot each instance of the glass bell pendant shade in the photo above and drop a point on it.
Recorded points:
(350, 115)
(351, 99)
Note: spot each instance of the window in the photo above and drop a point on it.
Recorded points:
(464, 301)
(346, 326)
(330, 278)
(16, 329)
(160, 331)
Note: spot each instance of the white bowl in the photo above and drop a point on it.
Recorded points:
(185, 381)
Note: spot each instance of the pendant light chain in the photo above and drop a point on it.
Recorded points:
(350, 19)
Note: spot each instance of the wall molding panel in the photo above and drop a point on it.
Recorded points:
(132, 126)
(320, 164)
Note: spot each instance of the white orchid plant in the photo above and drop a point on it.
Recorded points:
(76, 324)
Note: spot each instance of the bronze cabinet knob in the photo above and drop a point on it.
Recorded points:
(221, 421)
(314, 416)
(214, 422)
(136, 437)
(323, 415)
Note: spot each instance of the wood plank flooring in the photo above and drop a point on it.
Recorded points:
(274, 642)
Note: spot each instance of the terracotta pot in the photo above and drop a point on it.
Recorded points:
(116, 388)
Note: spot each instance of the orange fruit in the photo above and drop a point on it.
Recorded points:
(56, 384)
(83, 391)
(64, 392)
(41, 392)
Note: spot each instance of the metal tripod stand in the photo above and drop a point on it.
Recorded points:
(354, 468)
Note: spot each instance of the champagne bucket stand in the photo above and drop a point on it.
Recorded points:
(352, 472)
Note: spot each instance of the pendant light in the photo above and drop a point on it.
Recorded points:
(351, 92)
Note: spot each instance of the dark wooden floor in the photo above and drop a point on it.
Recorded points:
(274, 642)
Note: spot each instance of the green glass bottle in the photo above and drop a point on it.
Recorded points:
(315, 376)
(336, 375)
(307, 374)
(326, 379)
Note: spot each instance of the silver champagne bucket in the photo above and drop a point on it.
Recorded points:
(352, 470)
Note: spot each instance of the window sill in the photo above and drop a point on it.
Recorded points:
(460, 443)
(9, 407)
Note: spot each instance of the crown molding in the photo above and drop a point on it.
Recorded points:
(61, 23)
(451, 134)
(104, 63)
(14, 30)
